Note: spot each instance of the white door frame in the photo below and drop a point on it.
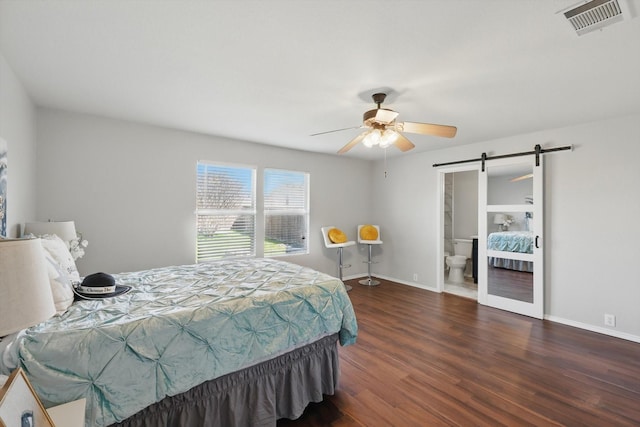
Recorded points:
(440, 215)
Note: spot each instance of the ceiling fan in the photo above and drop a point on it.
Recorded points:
(384, 130)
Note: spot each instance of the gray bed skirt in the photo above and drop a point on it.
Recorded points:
(511, 264)
(256, 396)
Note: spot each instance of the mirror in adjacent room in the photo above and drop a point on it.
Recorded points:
(510, 238)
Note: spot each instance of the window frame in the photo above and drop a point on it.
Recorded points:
(241, 211)
(305, 212)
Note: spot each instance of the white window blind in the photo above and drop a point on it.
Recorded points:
(286, 212)
(225, 211)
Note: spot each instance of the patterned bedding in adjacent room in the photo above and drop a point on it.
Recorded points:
(511, 241)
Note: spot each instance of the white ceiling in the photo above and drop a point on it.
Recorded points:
(275, 72)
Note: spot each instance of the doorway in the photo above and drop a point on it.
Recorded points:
(510, 260)
(458, 227)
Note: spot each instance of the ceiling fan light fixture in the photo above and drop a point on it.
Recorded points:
(372, 138)
(384, 130)
(389, 136)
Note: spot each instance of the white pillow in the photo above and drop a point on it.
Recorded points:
(58, 250)
(61, 286)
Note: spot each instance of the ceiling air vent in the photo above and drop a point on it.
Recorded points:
(594, 15)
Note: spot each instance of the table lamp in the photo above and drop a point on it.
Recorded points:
(66, 230)
(25, 292)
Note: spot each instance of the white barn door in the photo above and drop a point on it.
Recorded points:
(510, 245)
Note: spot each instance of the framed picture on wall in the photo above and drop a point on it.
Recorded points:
(19, 404)
(3, 188)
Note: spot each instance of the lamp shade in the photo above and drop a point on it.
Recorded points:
(499, 218)
(25, 292)
(66, 230)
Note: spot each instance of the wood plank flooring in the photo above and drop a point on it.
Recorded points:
(510, 284)
(428, 359)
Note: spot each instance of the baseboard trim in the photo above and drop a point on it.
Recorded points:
(551, 318)
(592, 328)
(402, 282)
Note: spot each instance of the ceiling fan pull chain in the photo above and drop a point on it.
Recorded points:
(385, 162)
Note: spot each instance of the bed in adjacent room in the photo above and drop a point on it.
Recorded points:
(511, 241)
(224, 343)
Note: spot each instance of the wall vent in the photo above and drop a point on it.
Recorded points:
(596, 14)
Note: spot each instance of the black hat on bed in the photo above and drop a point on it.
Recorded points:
(98, 286)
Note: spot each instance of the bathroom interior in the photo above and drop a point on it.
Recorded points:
(460, 228)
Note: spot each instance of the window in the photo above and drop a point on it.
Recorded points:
(225, 211)
(286, 212)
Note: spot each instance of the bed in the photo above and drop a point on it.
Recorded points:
(223, 343)
(511, 241)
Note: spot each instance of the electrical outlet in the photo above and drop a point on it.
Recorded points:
(415, 277)
(610, 320)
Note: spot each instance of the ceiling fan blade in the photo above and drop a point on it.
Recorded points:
(355, 141)
(428, 129)
(521, 177)
(385, 116)
(335, 130)
(403, 143)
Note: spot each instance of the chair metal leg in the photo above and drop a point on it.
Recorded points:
(340, 265)
(369, 280)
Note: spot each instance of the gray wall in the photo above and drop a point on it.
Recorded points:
(17, 124)
(591, 219)
(501, 191)
(130, 188)
(465, 204)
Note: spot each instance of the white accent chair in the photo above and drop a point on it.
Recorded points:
(340, 246)
(369, 281)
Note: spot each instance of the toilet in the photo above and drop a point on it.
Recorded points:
(458, 262)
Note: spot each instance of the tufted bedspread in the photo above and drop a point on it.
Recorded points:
(178, 327)
(511, 241)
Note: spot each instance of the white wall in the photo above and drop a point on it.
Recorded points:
(592, 232)
(465, 204)
(501, 191)
(131, 189)
(17, 121)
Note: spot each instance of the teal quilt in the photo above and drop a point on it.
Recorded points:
(178, 327)
(511, 241)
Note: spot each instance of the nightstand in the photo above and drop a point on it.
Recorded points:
(68, 414)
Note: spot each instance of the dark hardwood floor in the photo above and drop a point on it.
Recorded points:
(510, 284)
(428, 359)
